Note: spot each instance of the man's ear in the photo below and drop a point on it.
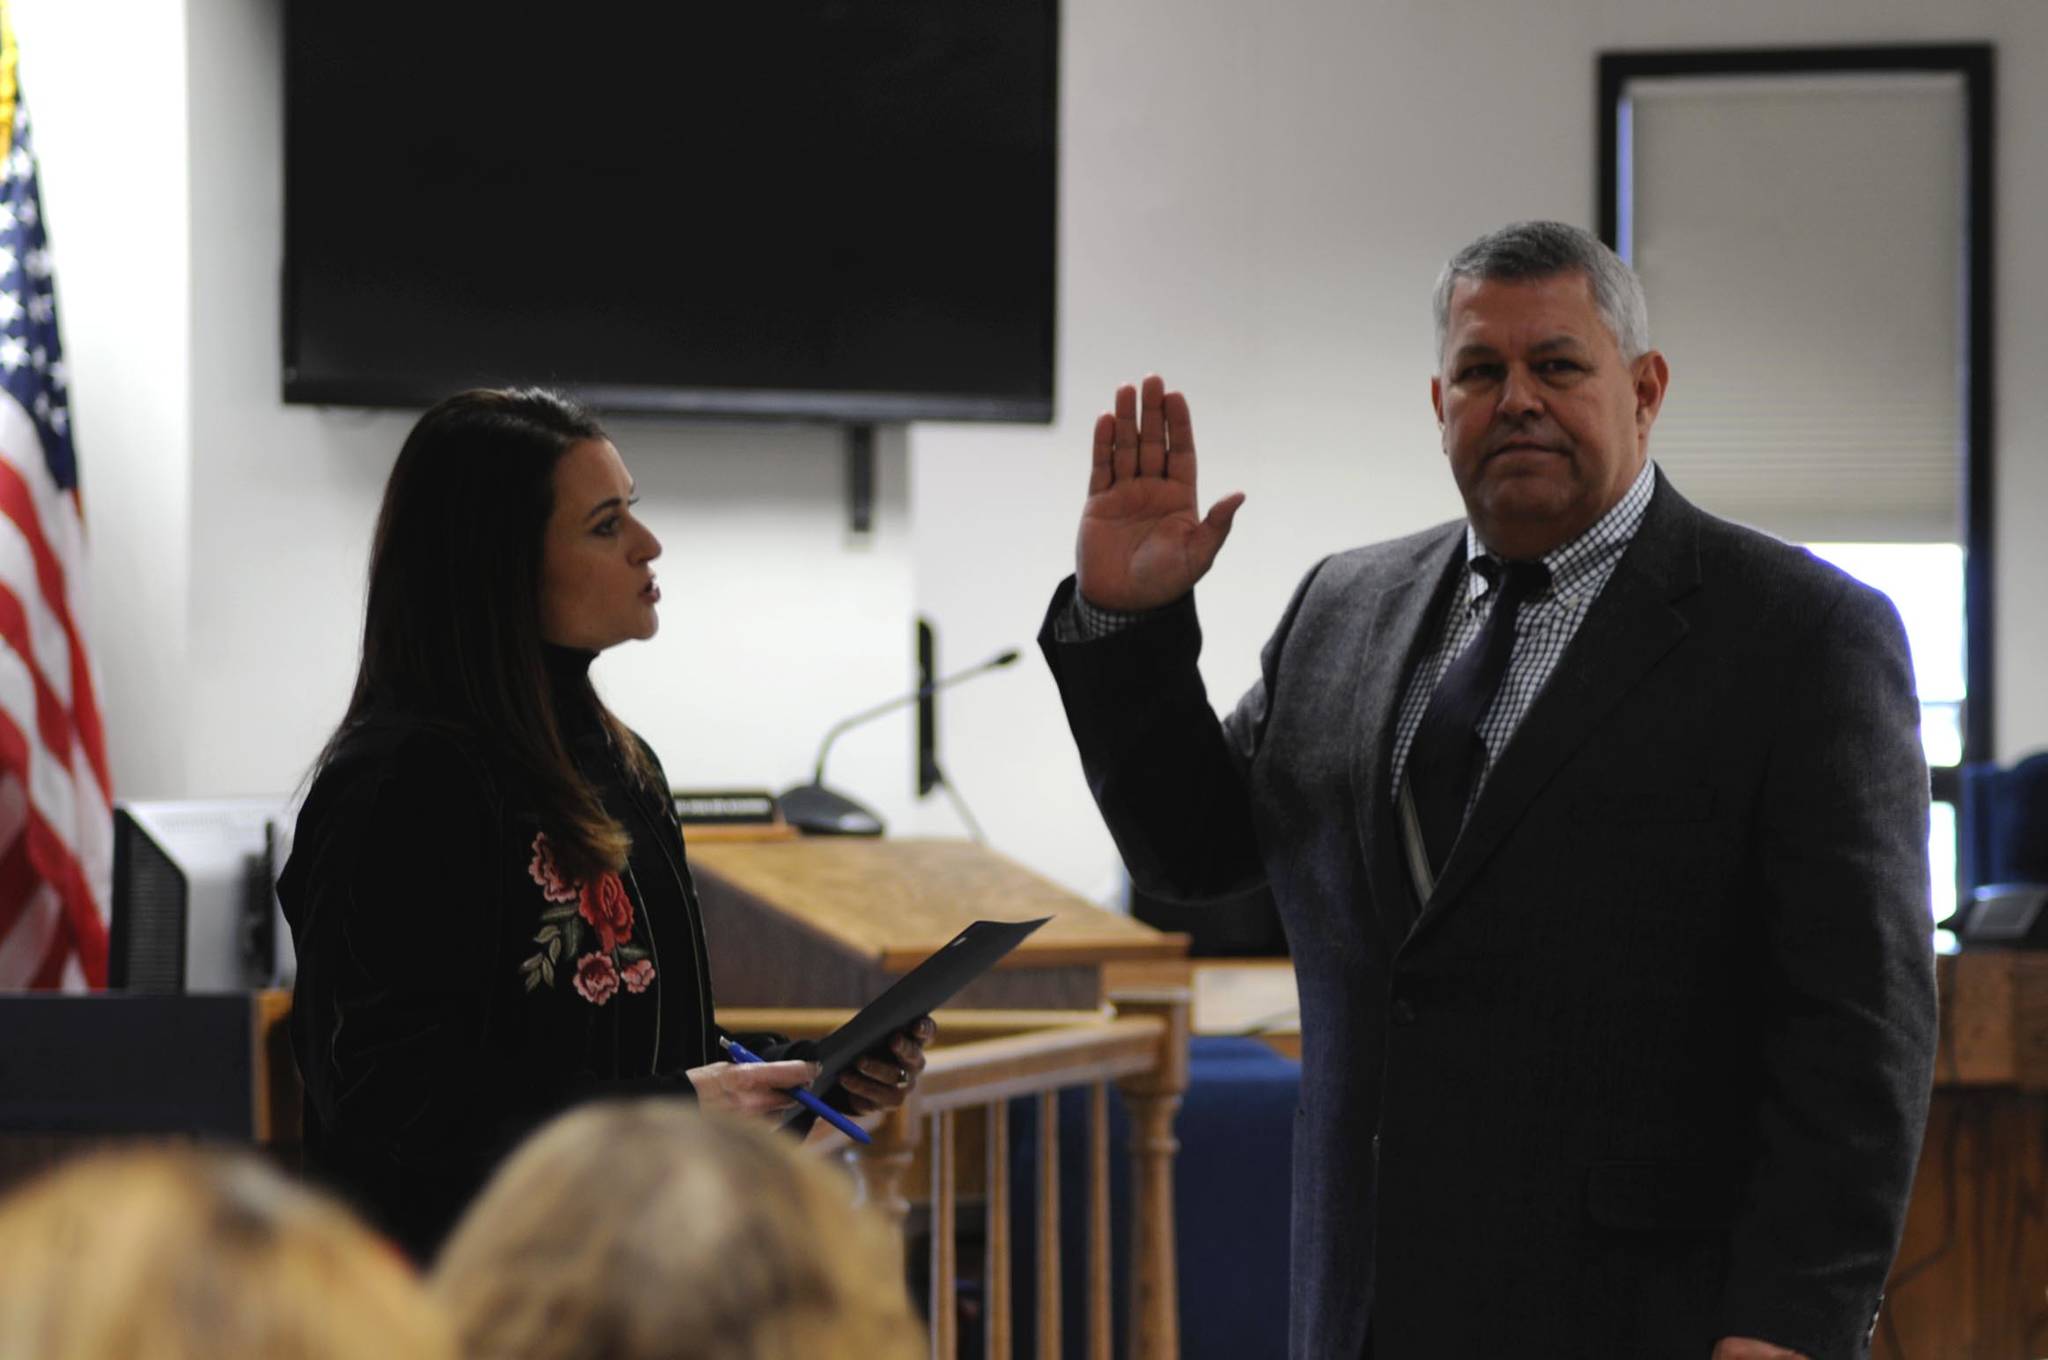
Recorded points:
(1436, 397)
(1652, 378)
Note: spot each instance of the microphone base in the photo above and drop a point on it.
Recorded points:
(817, 811)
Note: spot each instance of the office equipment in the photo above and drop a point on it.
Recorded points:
(195, 900)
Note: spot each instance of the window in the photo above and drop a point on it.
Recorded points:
(1813, 230)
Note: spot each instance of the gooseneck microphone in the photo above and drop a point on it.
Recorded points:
(817, 810)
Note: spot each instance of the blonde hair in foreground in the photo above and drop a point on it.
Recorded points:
(178, 1254)
(647, 1230)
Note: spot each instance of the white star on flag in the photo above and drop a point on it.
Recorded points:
(41, 307)
(10, 307)
(13, 354)
(37, 263)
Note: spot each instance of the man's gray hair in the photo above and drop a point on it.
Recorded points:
(1541, 250)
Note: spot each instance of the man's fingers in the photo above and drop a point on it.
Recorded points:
(1100, 475)
(1215, 528)
(1180, 439)
(1124, 451)
(1151, 427)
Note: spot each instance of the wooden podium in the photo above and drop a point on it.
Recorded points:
(830, 922)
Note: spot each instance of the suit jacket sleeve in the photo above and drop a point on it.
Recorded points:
(1169, 776)
(1846, 997)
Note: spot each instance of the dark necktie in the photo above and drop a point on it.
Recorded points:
(1447, 755)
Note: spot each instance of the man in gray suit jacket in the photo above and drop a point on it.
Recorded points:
(1598, 826)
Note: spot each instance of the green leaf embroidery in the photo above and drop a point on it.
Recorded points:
(631, 953)
(547, 970)
(547, 933)
(554, 949)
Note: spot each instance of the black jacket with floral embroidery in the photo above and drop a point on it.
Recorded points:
(454, 989)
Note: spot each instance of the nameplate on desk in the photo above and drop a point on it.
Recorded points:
(725, 807)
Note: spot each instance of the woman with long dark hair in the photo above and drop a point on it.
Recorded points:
(488, 892)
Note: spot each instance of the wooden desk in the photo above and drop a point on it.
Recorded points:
(832, 920)
(1971, 1274)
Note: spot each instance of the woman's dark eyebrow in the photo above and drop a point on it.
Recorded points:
(612, 503)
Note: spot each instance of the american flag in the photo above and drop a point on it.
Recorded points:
(56, 801)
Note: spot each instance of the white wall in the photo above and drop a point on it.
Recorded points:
(773, 621)
(1253, 203)
(230, 532)
(114, 172)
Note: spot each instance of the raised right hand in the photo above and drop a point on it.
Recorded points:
(1142, 544)
(751, 1088)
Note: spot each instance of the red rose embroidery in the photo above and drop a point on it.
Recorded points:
(544, 871)
(597, 978)
(638, 974)
(609, 911)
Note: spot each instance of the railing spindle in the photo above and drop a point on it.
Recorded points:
(945, 1291)
(881, 1167)
(996, 1264)
(1049, 1225)
(1099, 1327)
(1152, 1098)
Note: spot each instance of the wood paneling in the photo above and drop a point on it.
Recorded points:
(829, 921)
(1972, 1270)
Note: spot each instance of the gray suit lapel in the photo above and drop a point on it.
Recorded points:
(1629, 628)
(1400, 634)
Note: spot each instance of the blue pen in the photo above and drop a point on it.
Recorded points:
(742, 1054)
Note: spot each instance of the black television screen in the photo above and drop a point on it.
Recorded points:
(832, 208)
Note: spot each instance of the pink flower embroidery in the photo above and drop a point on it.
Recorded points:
(638, 974)
(609, 911)
(597, 978)
(544, 871)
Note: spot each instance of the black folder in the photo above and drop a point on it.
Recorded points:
(920, 991)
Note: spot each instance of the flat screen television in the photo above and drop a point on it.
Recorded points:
(833, 209)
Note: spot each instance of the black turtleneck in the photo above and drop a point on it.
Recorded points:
(575, 701)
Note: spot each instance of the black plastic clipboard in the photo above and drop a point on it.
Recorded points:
(920, 991)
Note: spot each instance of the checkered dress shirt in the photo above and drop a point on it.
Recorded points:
(1544, 626)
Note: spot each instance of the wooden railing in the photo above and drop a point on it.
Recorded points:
(982, 1061)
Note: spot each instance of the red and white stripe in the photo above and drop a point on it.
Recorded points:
(56, 798)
